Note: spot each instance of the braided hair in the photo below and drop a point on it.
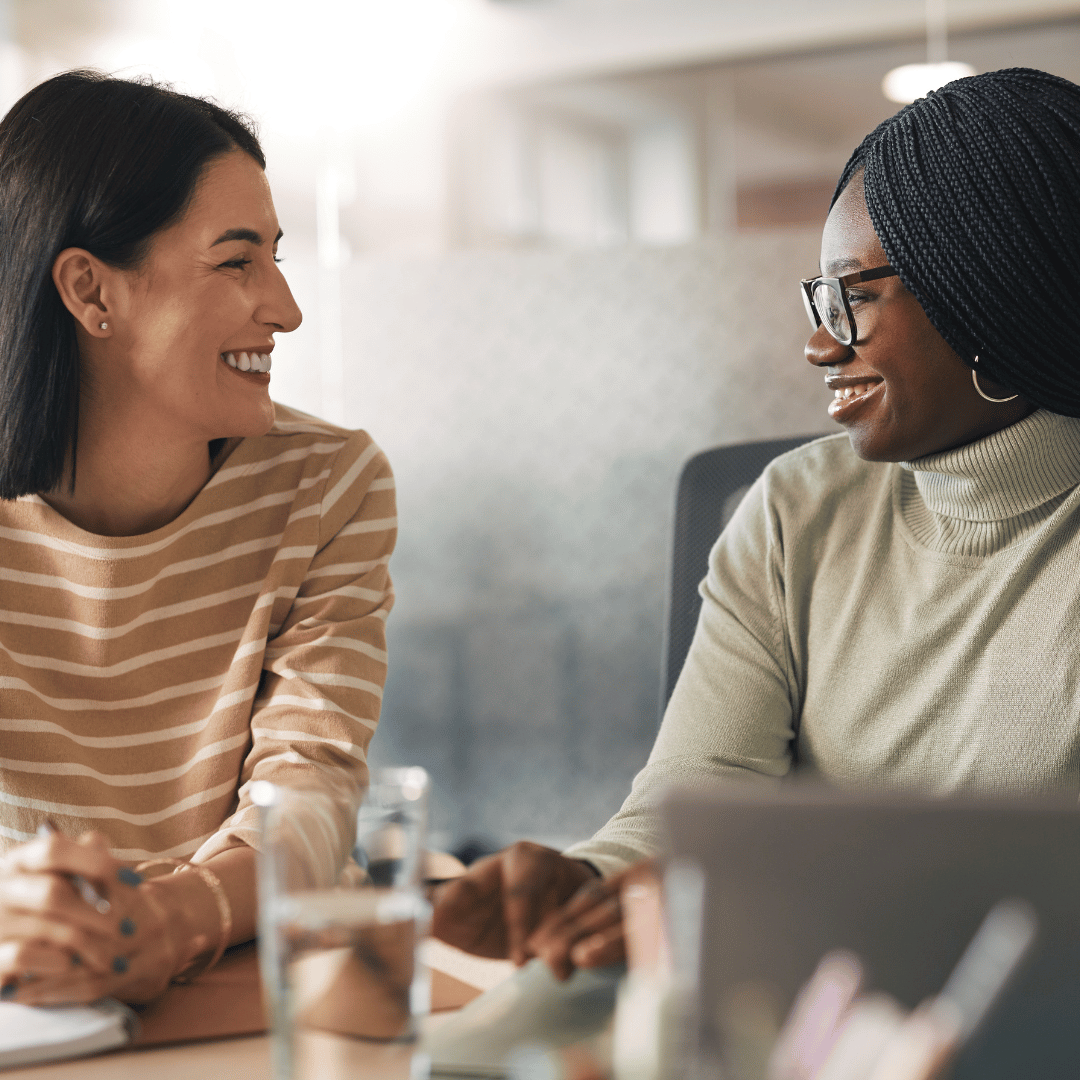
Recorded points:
(974, 192)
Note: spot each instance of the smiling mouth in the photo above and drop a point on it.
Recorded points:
(248, 361)
(848, 399)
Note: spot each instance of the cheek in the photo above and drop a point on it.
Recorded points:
(191, 321)
(163, 323)
(943, 374)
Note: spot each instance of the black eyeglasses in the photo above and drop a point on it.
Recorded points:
(826, 302)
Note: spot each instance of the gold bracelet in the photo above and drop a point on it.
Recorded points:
(213, 883)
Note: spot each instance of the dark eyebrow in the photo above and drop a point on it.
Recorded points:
(244, 234)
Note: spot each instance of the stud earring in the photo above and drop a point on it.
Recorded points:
(104, 325)
(979, 390)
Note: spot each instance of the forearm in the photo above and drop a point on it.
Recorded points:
(192, 908)
(635, 832)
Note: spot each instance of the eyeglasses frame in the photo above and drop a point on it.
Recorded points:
(840, 284)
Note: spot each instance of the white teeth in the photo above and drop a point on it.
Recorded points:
(247, 361)
(852, 391)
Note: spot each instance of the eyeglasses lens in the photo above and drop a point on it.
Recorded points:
(830, 306)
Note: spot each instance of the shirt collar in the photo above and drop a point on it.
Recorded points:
(1008, 473)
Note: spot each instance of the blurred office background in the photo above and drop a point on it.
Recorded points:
(546, 250)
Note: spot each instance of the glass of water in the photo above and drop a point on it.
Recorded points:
(342, 958)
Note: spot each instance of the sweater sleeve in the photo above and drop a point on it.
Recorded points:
(731, 715)
(324, 669)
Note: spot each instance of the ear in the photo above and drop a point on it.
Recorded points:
(83, 282)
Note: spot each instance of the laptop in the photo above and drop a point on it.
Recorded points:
(904, 882)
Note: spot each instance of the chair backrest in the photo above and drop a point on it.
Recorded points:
(711, 486)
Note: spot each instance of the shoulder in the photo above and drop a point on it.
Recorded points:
(295, 429)
(307, 446)
(356, 481)
(819, 490)
(828, 459)
(331, 471)
(817, 478)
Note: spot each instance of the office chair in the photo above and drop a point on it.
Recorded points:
(711, 486)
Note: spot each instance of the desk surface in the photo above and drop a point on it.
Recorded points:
(245, 1058)
(180, 1029)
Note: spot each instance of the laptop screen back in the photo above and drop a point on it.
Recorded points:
(904, 883)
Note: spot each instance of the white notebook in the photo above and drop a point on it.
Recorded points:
(532, 1006)
(29, 1034)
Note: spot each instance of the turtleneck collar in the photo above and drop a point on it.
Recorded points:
(1010, 473)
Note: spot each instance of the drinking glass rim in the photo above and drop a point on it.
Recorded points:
(413, 780)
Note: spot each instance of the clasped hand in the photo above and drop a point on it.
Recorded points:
(57, 947)
(531, 901)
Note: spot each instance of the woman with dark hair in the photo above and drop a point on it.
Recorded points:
(195, 583)
(897, 608)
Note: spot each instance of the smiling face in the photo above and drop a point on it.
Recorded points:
(911, 394)
(208, 291)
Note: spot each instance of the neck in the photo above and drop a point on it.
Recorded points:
(130, 478)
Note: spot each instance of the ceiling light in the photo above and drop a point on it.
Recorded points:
(910, 82)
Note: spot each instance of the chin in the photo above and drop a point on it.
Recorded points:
(251, 422)
(874, 446)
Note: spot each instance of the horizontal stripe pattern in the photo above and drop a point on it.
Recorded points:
(146, 681)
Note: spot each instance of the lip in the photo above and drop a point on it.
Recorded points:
(844, 409)
(262, 377)
(838, 382)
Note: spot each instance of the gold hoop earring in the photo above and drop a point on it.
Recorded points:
(979, 390)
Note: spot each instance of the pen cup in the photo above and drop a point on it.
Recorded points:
(344, 960)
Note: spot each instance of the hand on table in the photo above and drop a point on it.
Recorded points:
(587, 931)
(492, 909)
(531, 901)
(56, 947)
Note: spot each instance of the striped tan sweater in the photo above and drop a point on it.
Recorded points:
(145, 681)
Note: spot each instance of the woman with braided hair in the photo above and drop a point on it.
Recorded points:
(897, 609)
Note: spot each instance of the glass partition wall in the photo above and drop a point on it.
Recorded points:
(616, 291)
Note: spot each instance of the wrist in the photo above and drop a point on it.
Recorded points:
(590, 866)
(189, 915)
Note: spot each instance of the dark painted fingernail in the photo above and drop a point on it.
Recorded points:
(7, 993)
(120, 964)
(128, 876)
(127, 927)
(76, 960)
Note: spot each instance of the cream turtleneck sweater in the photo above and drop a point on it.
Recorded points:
(884, 626)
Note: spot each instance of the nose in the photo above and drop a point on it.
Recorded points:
(823, 349)
(279, 308)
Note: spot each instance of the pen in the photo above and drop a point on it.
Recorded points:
(82, 886)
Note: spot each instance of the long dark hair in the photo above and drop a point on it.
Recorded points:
(92, 162)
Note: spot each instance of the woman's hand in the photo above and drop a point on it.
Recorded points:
(57, 947)
(494, 908)
(587, 931)
(531, 901)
